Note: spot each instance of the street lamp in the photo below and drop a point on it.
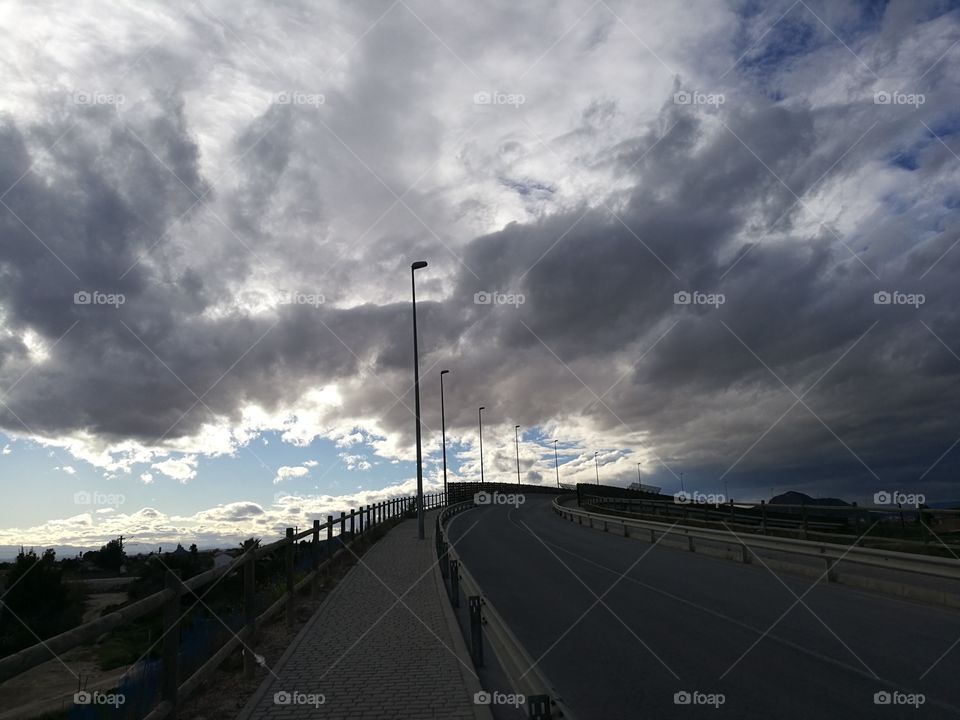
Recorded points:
(597, 463)
(681, 482)
(556, 461)
(443, 429)
(480, 416)
(639, 480)
(516, 437)
(416, 393)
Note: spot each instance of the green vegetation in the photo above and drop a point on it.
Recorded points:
(38, 604)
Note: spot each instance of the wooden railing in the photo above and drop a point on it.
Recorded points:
(173, 690)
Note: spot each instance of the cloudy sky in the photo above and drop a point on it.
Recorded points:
(716, 239)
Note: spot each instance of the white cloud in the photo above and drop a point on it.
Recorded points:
(287, 471)
(6, 449)
(68, 469)
(146, 478)
(182, 469)
(311, 463)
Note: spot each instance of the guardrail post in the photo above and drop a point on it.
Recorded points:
(444, 560)
(455, 583)
(315, 559)
(538, 707)
(343, 525)
(744, 555)
(360, 520)
(353, 520)
(369, 517)
(831, 573)
(249, 614)
(653, 537)
(171, 643)
(690, 546)
(289, 563)
(476, 630)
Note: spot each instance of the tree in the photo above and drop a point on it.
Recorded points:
(112, 555)
(40, 604)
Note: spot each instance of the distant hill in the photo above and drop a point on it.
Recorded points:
(792, 497)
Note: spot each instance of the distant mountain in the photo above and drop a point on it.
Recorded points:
(792, 497)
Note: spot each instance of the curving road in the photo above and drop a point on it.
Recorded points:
(619, 626)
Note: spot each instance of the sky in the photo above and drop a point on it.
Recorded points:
(715, 238)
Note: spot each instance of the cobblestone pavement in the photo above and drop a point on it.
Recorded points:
(368, 655)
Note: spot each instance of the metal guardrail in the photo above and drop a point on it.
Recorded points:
(168, 601)
(543, 702)
(830, 553)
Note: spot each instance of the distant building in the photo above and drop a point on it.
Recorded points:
(640, 487)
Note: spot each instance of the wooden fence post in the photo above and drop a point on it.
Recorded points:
(315, 560)
(343, 525)
(249, 614)
(329, 542)
(171, 643)
(289, 562)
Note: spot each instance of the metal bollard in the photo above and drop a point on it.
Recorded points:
(476, 630)
(455, 583)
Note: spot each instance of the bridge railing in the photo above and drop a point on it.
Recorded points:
(829, 553)
(173, 689)
(892, 527)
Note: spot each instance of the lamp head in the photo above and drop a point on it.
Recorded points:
(444, 372)
(418, 264)
(483, 407)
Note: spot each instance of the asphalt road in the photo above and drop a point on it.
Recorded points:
(670, 621)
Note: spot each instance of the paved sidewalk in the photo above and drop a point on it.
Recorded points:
(371, 656)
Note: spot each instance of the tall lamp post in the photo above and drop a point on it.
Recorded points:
(597, 463)
(480, 416)
(516, 437)
(639, 480)
(556, 462)
(443, 430)
(416, 393)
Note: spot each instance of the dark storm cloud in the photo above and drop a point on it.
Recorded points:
(724, 201)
